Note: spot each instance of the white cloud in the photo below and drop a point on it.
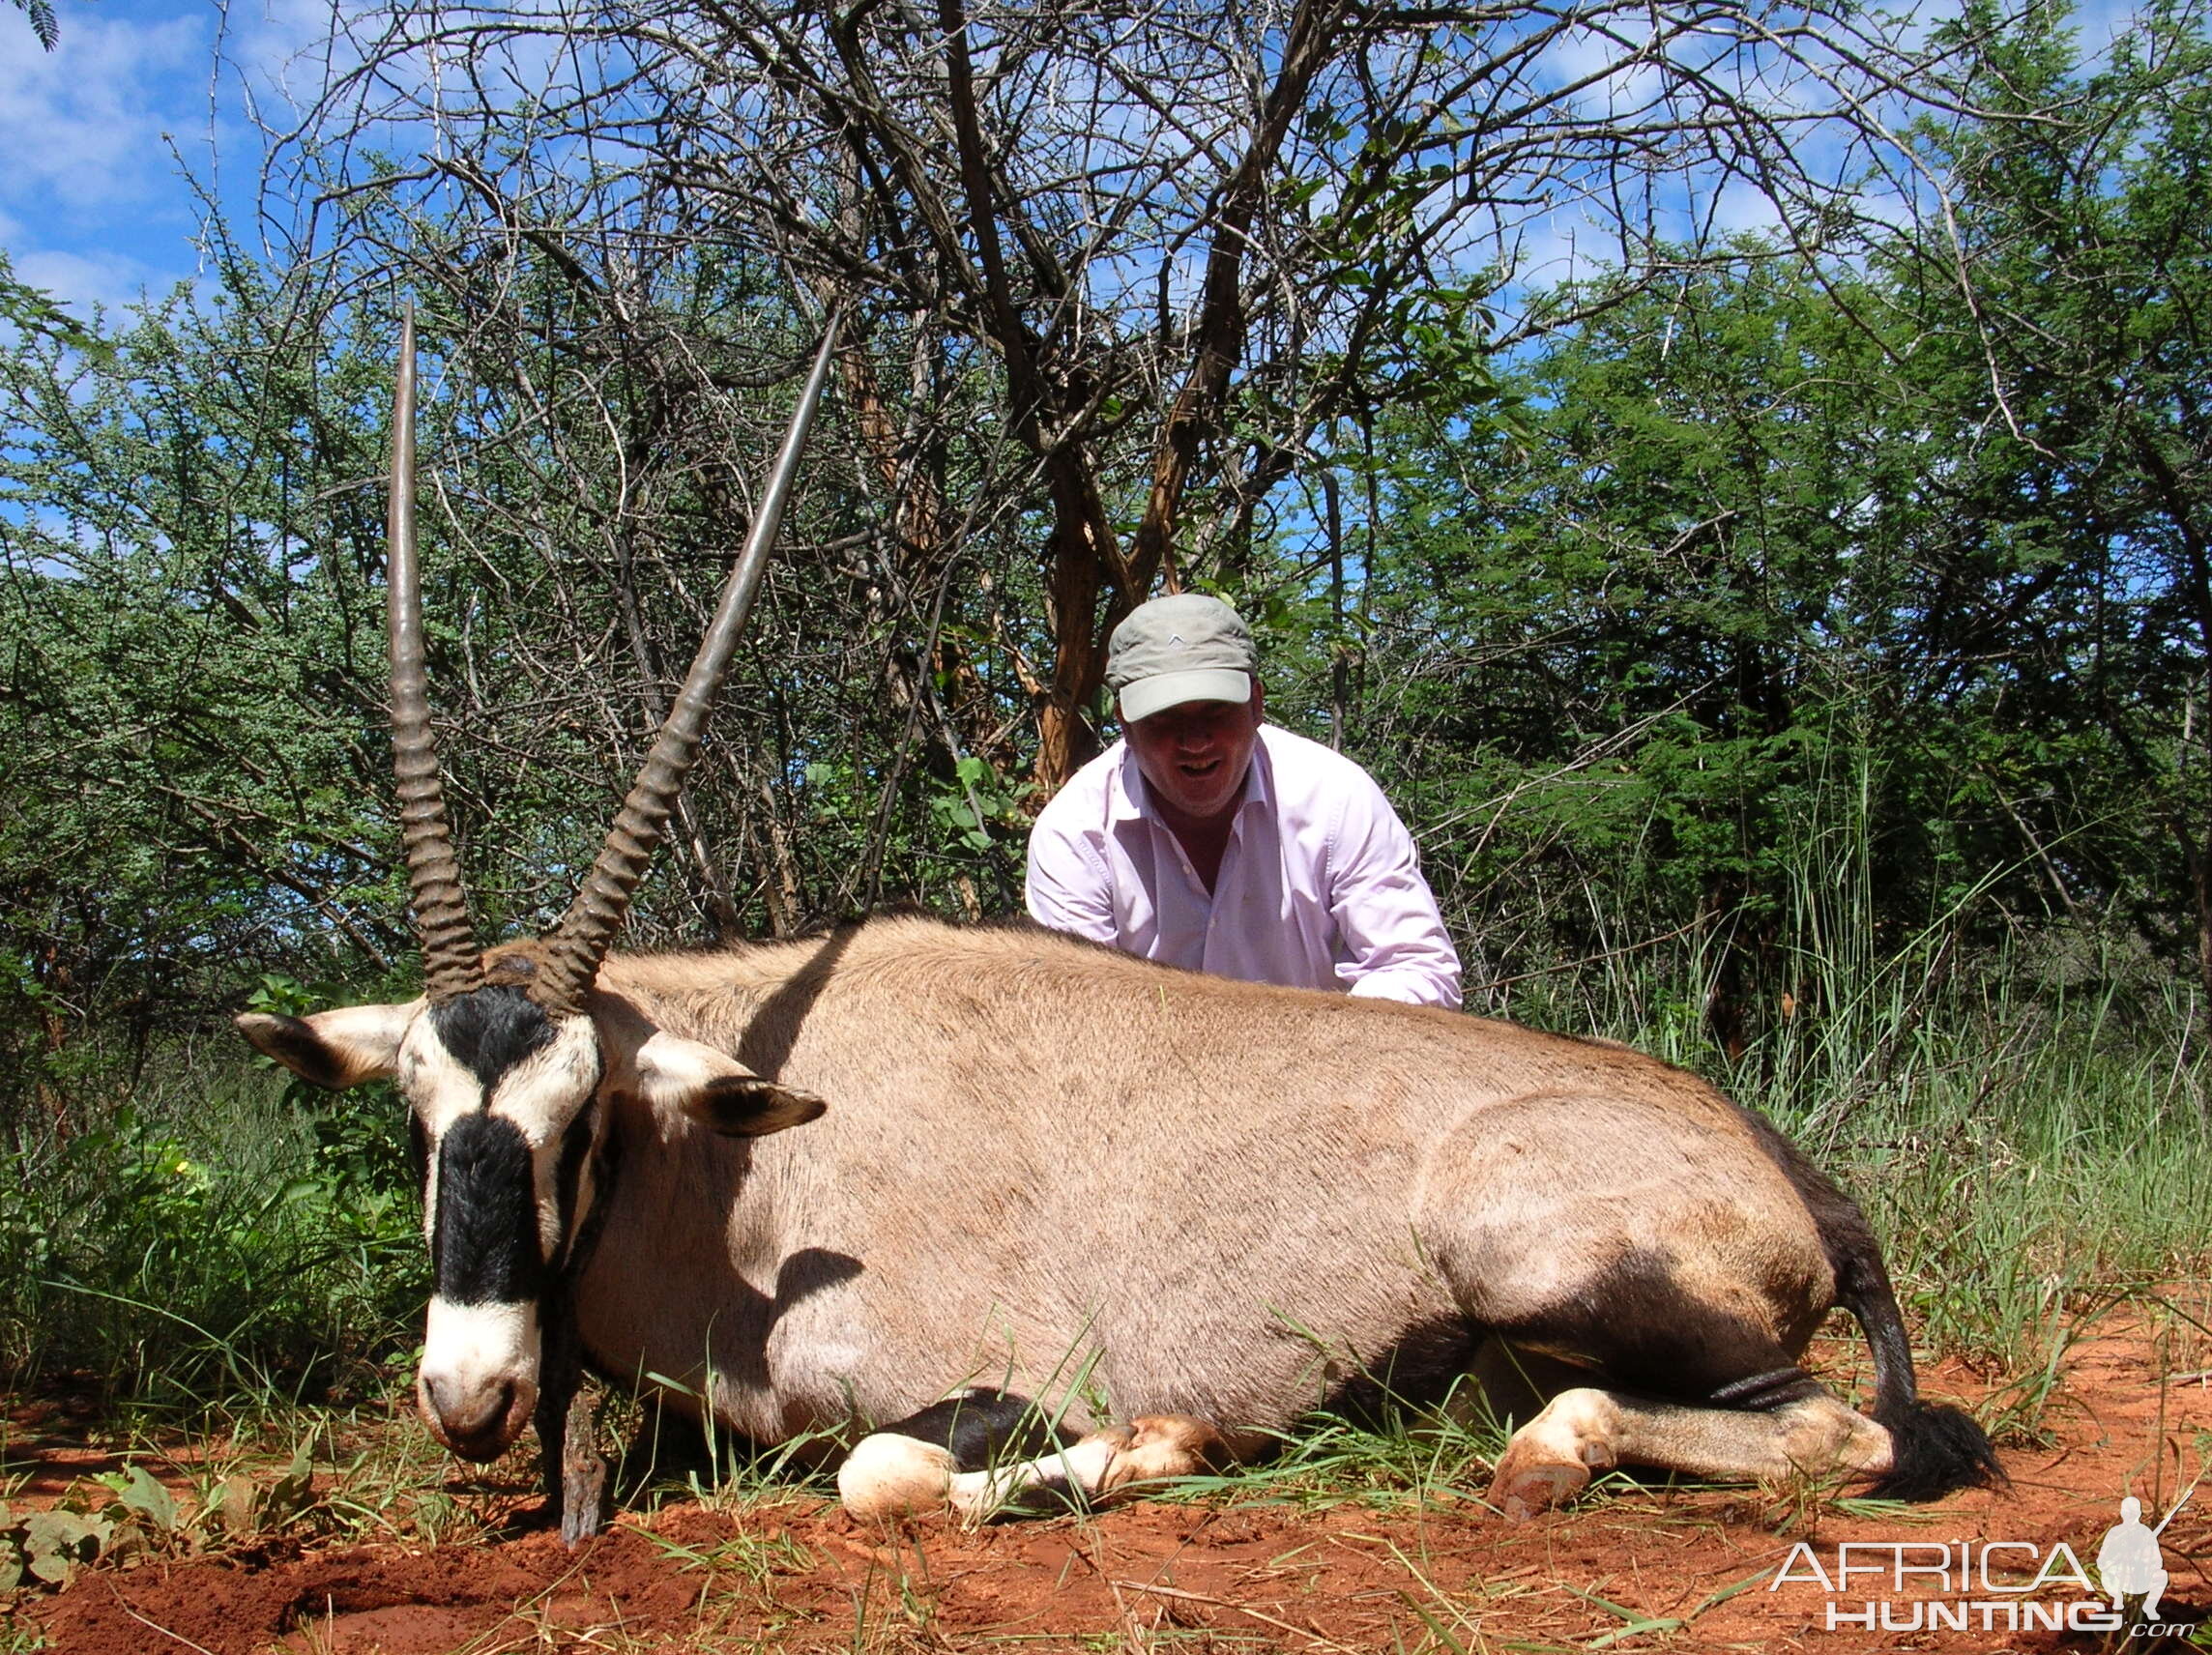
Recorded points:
(83, 126)
(98, 134)
(80, 281)
(92, 206)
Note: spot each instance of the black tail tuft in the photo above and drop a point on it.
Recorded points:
(1936, 1449)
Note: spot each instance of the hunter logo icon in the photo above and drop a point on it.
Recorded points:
(1992, 1585)
(2129, 1563)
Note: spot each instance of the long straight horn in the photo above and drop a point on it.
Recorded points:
(450, 966)
(596, 915)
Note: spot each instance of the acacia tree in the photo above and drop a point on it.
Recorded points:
(1034, 221)
(1731, 658)
(1109, 260)
(2069, 396)
(1826, 585)
(187, 541)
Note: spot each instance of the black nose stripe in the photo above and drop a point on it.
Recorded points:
(484, 1244)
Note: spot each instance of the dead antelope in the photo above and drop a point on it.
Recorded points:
(829, 1184)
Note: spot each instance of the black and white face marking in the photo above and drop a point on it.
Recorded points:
(507, 1104)
(504, 1095)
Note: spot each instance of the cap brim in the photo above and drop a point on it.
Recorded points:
(1156, 694)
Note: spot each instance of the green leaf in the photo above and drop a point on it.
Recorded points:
(56, 1541)
(146, 1497)
(235, 1503)
(292, 1493)
(37, 313)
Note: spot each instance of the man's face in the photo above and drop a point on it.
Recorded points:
(1194, 756)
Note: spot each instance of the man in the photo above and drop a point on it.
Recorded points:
(1208, 839)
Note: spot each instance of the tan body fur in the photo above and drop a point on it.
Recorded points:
(1042, 1161)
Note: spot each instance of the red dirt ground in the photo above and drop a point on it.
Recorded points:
(2135, 1416)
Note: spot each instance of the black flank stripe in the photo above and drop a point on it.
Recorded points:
(983, 1427)
(575, 1147)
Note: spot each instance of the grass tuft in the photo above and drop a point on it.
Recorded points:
(215, 1245)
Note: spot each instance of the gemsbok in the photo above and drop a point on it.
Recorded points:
(986, 1192)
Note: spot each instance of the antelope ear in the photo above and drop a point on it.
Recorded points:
(334, 1049)
(717, 1091)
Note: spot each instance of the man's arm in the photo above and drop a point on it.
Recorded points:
(1067, 886)
(1385, 910)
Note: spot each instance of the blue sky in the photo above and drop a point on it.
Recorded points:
(96, 135)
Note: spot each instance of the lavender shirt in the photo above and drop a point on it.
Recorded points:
(1320, 886)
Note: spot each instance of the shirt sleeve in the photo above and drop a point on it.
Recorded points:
(1067, 886)
(1394, 938)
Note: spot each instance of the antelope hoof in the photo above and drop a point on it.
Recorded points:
(1158, 1445)
(1527, 1487)
(886, 1477)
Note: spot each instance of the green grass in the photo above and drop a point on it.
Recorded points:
(1425, 1457)
(211, 1240)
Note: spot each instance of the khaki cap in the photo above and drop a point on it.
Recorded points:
(1185, 648)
